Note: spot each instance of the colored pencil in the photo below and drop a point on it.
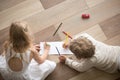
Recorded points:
(66, 39)
(57, 51)
(57, 29)
(67, 34)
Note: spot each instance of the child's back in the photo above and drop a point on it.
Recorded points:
(16, 67)
(22, 60)
(106, 56)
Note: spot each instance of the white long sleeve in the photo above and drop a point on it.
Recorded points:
(107, 57)
(82, 66)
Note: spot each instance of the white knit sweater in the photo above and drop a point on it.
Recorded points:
(106, 57)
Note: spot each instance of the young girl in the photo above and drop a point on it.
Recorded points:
(18, 62)
(92, 53)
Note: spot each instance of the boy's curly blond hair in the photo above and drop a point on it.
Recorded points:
(82, 48)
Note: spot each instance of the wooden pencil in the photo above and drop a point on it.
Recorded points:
(57, 29)
(57, 51)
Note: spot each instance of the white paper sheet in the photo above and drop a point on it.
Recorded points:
(53, 48)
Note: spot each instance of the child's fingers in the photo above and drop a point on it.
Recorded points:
(46, 46)
(62, 58)
(37, 45)
(38, 49)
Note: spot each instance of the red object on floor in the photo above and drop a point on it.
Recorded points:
(85, 16)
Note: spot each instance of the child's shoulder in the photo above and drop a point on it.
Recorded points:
(86, 35)
(83, 35)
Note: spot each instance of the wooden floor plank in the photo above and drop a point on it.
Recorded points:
(19, 12)
(94, 74)
(46, 35)
(62, 72)
(50, 3)
(5, 4)
(111, 26)
(114, 40)
(56, 14)
(96, 32)
(75, 24)
(93, 3)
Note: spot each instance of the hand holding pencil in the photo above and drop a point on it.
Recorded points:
(67, 36)
(37, 47)
(62, 59)
(46, 46)
(65, 45)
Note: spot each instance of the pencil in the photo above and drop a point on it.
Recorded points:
(67, 34)
(57, 29)
(66, 39)
(57, 51)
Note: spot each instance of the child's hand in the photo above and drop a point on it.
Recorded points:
(37, 47)
(46, 46)
(65, 45)
(62, 59)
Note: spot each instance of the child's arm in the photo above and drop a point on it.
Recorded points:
(79, 66)
(42, 58)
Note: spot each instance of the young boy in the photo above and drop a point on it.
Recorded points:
(92, 53)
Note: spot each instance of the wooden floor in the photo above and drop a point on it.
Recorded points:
(44, 16)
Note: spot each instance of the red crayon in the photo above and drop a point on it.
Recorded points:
(67, 34)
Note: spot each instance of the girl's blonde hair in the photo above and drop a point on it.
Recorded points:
(82, 48)
(19, 36)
